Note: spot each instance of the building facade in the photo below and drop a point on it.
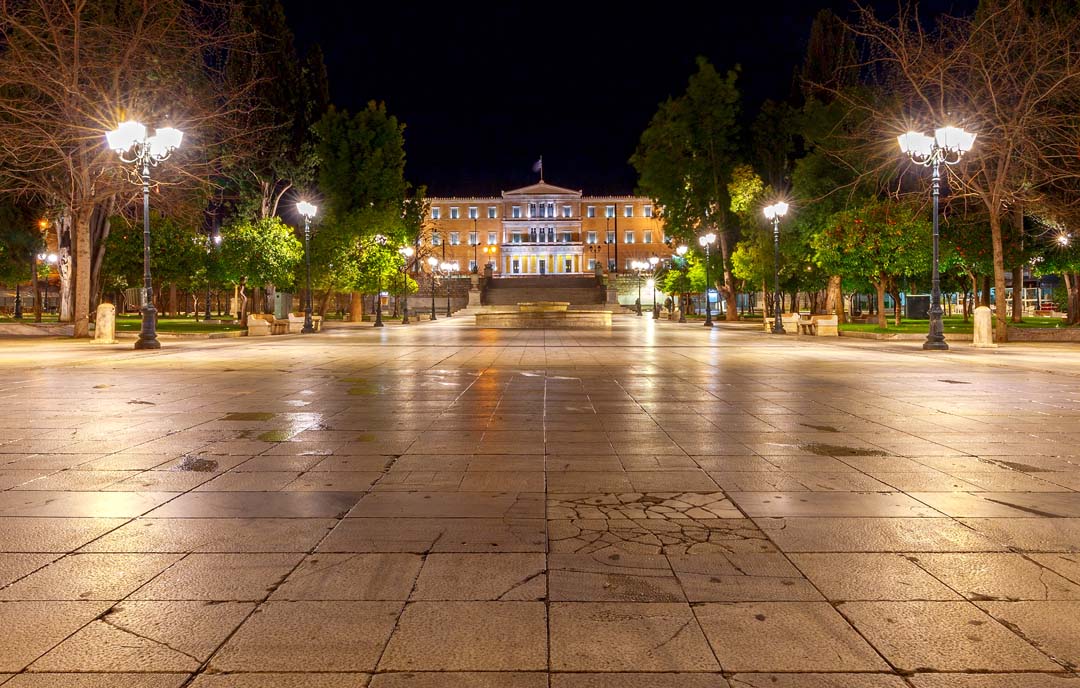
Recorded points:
(544, 229)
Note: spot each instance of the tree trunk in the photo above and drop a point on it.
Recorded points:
(728, 288)
(81, 315)
(1018, 294)
(324, 302)
(356, 307)
(1001, 325)
(1072, 300)
(895, 294)
(174, 306)
(984, 297)
(65, 266)
(880, 287)
(34, 288)
(242, 312)
(99, 234)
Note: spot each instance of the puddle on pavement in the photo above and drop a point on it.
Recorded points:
(276, 436)
(249, 416)
(102, 386)
(838, 450)
(196, 465)
(1022, 467)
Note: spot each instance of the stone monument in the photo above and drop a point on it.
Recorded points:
(105, 324)
(474, 290)
(984, 328)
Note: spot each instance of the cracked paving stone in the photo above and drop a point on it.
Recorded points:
(635, 506)
(1053, 627)
(612, 578)
(482, 577)
(267, 680)
(997, 576)
(657, 536)
(351, 577)
(450, 679)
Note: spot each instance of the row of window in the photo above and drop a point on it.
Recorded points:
(537, 210)
(543, 234)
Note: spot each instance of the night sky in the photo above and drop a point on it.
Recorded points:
(484, 91)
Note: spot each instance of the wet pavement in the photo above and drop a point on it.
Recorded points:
(436, 506)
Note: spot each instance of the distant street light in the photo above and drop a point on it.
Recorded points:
(947, 145)
(681, 252)
(406, 253)
(213, 241)
(774, 212)
(308, 211)
(489, 255)
(705, 242)
(434, 263)
(131, 142)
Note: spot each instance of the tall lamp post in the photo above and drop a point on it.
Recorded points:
(947, 145)
(475, 248)
(308, 211)
(706, 241)
(638, 266)
(681, 252)
(406, 253)
(448, 269)
(380, 241)
(653, 261)
(433, 262)
(774, 212)
(134, 146)
(213, 241)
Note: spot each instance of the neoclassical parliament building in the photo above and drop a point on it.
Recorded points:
(544, 229)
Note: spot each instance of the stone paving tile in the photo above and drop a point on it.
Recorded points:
(877, 535)
(15, 566)
(1065, 565)
(266, 680)
(994, 680)
(784, 636)
(51, 503)
(638, 681)
(657, 536)
(219, 577)
(468, 636)
(52, 534)
(423, 535)
(32, 628)
(258, 505)
(89, 577)
(214, 535)
(310, 637)
(449, 679)
(811, 680)
(374, 577)
(482, 577)
(997, 576)
(942, 636)
(612, 578)
(1053, 627)
(872, 576)
(639, 637)
(147, 636)
(450, 505)
(173, 680)
(742, 577)
(1030, 534)
(826, 504)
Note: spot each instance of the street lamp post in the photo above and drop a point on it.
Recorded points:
(705, 242)
(433, 262)
(489, 255)
(475, 248)
(681, 252)
(638, 266)
(774, 212)
(380, 241)
(131, 142)
(947, 145)
(407, 253)
(653, 261)
(308, 211)
(213, 243)
(448, 269)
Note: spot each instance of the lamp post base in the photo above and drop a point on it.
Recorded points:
(148, 340)
(935, 345)
(147, 344)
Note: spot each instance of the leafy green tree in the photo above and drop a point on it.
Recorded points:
(177, 254)
(879, 242)
(20, 242)
(685, 159)
(264, 251)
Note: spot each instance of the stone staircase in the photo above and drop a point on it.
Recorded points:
(577, 290)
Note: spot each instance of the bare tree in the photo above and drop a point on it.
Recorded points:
(70, 70)
(1010, 74)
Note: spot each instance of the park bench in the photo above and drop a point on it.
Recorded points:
(257, 325)
(790, 321)
(820, 326)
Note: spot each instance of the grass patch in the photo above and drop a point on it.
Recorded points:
(179, 325)
(953, 323)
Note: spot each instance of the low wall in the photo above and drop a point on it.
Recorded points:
(1044, 334)
(566, 320)
(903, 336)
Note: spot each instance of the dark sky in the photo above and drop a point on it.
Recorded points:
(484, 91)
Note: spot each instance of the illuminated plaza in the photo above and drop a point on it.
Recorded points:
(653, 505)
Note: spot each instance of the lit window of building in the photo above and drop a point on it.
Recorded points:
(628, 238)
(474, 238)
(628, 211)
(472, 265)
(474, 213)
(590, 238)
(436, 213)
(516, 237)
(648, 211)
(453, 213)
(592, 264)
(646, 236)
(566, 237)
(515, 212)
(566, 211)
(492, 240)
(436, 239)
(551, 210)
(609, 211)
(590, 211)
(454, 239)
(492, 212)
(611, 237)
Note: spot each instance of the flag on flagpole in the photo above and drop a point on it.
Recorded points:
(538, 166)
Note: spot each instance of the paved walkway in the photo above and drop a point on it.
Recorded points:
(443, 507)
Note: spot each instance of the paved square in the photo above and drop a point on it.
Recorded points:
(437, 506)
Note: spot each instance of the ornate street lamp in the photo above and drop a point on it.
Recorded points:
(681, 252)
(131, 142)
(774, 212)
(380, 241)
(489, 255)
(653, 261)
(448, 269)
(638, 266)
(947, 145)
(706, 241)
(406, 253)
(434, 263)
(308, 211)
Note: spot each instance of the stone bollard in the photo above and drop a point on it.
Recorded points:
(105, 324)
(984, 328)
